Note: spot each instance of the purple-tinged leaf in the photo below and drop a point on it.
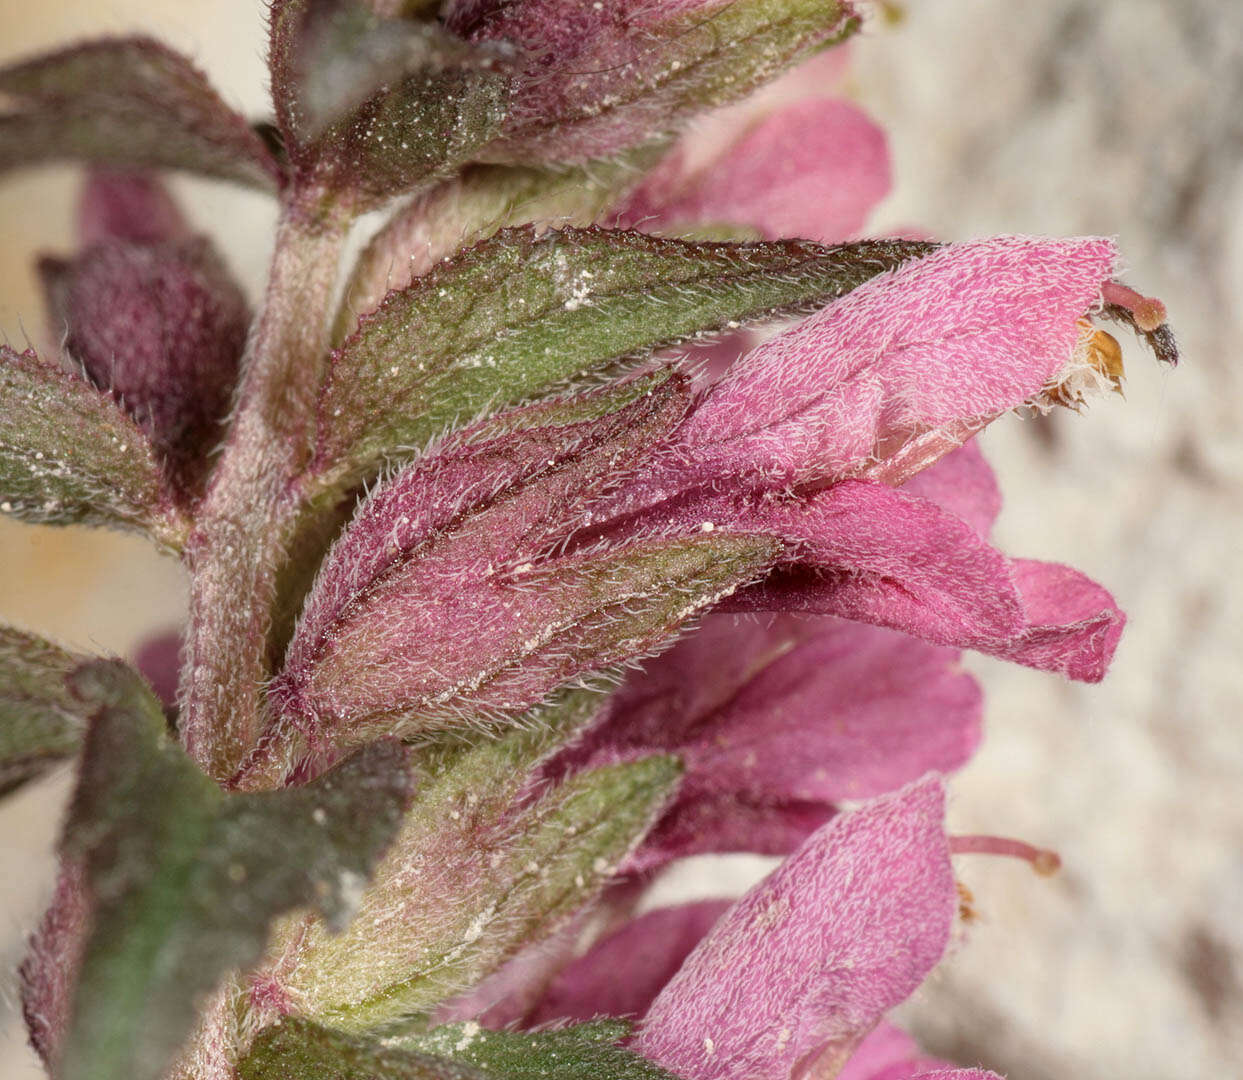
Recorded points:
(454, 1052)
(161, 328)
(180, 896)
(49, 972)
(522, 313)
(519, 868)
(68, 453)
(447, 596)
(792, 978)
(370, 106)
(130, 103)
(596, 79)
(41, 721)
(813, 169)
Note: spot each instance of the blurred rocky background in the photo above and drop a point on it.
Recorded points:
(1066, 116)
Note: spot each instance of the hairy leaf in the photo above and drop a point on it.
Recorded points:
(371, 106)
(131, 102)
(584, 1050)
(69, 453)
(522, 313)
(448, 595)
(473, 206)
(296, 1048)
(41, 721)
(455, 1051)
(596, 78)
(185, 879)
(516, 870)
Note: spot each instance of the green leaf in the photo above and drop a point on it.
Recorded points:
(129, 102)
(69, 453)
(514, 874)
(185, 879)
(473, 206)
(297, 1050)
(572, 1053)
(453, 1052)
(372, 106)
(41, 721)
(522, 314)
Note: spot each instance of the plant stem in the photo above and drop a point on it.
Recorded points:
(243, 525)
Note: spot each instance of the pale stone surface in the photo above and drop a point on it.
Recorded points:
(1060, 117)
(1075, 116)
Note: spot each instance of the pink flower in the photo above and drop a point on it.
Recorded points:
(489, 572)
(870, 899)
(793, 980)
(791, 160)
(779, 719)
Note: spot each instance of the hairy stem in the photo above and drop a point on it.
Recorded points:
(238, 542)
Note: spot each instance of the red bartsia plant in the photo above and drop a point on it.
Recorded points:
(586, 522)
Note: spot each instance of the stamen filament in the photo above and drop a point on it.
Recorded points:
(1042, 860)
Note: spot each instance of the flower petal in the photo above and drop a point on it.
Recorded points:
(813, 169)
(962, 483)
(813, 710)
(714, 822)
(850, 712)
(888, 1053)
(1073, 624)
(622, 974)
(801, 968)
(927, 353)
(880, 556)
